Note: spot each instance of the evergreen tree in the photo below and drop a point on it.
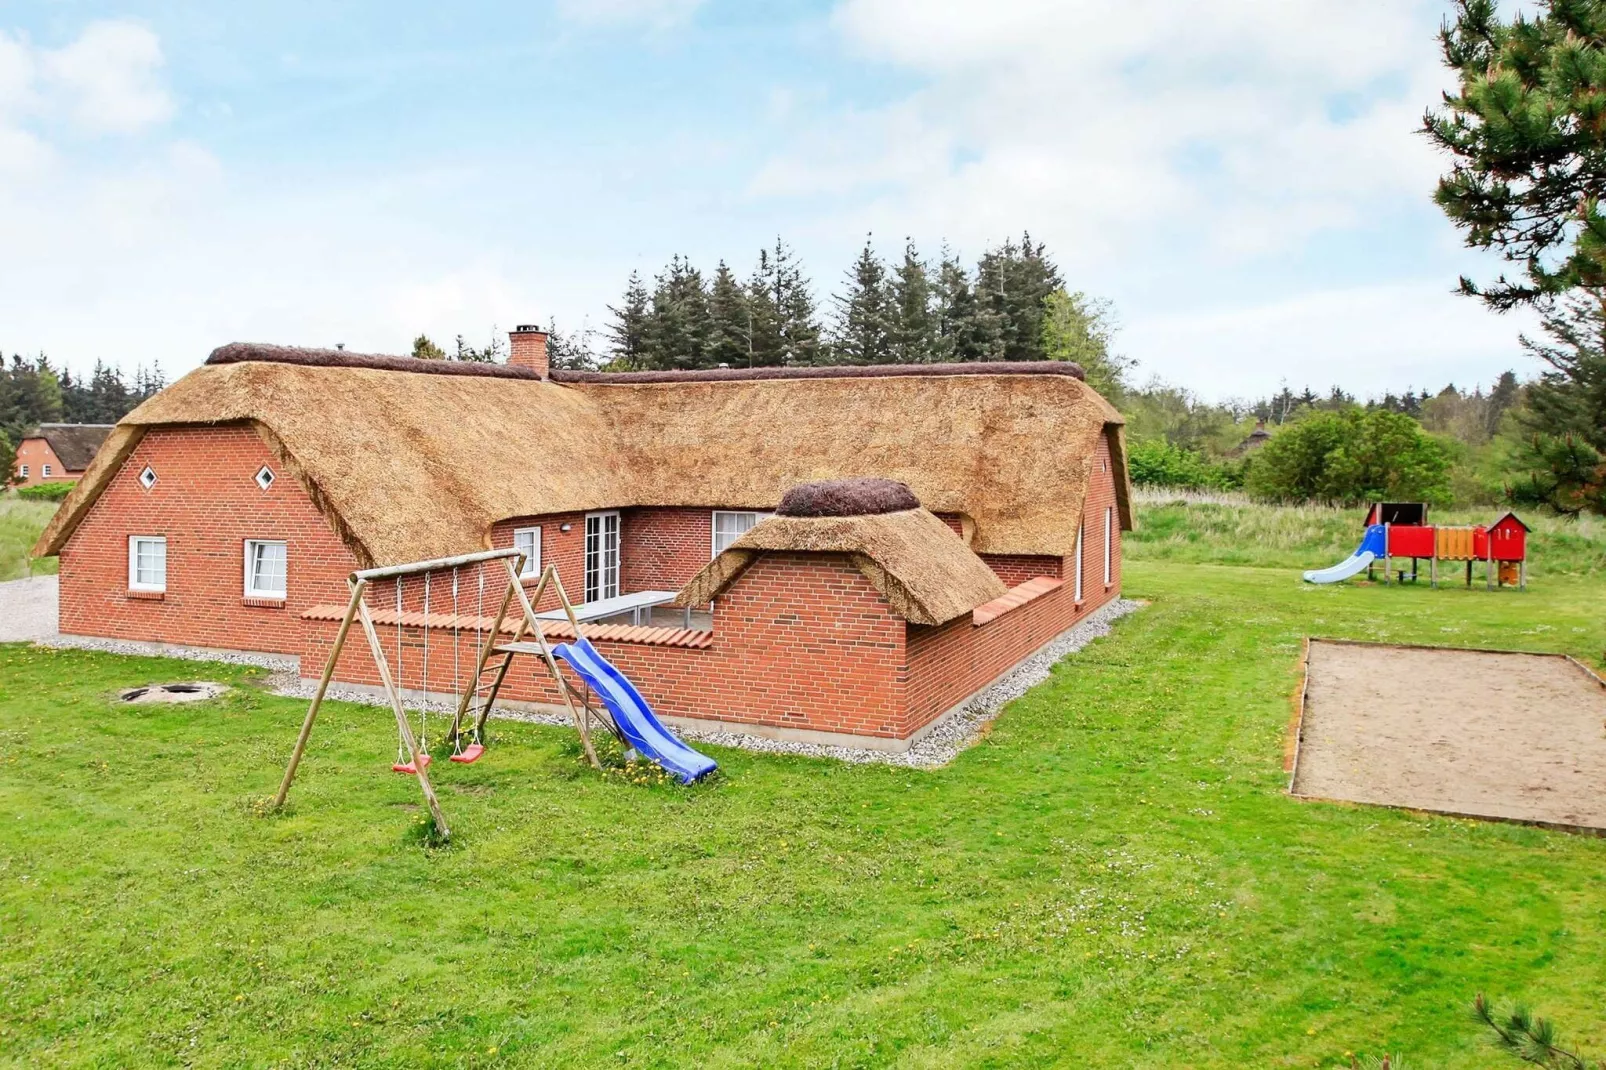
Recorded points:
(964, 331)
(627, 334)
(1528, 146)
(766, 344)
(865, 315)
(678, 326)
(729, 342)
(786, 325)
(8, 461)
(424, 349)
(1013, 283)
(573, 351)
(1565, 413)
(1501, 400)
(494, 351)
(914, 330)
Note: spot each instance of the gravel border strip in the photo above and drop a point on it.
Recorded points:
(937, 748)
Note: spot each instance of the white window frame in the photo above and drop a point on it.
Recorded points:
(133, 563)
(23, 471)
(1079, 528)
(532, 560)
(606, 583)
(250, 589)
(1109, 522)
(44, 471)
(713, 527)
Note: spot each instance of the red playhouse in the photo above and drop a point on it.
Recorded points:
(1399, 530)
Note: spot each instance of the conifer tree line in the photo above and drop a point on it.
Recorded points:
(1011, 305)
(34, 392)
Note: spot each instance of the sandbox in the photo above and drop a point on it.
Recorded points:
(1478, 733)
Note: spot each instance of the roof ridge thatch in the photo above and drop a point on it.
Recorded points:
(73, 444)
(925, 572)
(826, 371)
(261, 352)
(382, 454)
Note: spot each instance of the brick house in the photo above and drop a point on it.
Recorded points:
(57, 453)
(227, 511)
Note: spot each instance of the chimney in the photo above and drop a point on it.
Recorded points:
(527, 348)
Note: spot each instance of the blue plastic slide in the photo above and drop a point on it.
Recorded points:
(631, 713)
(1371, 549)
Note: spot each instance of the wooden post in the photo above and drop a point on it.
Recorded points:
(1469, 572)
(1433, 569)
(1522, 574)
(1387, 564)
(1488, 565)
(546, 652)
(402, 725)
(357, 587)
(479, 666)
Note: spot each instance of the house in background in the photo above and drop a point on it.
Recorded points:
(54, 453)
(227, 511)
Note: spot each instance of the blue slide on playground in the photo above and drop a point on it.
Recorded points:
(1371, 549)
(631, 713)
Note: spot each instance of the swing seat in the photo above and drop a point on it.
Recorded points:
(471, 754)
(407, 768)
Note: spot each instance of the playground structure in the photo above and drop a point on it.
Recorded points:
(1397, 531)
(628, 715)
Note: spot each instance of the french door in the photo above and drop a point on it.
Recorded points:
(602, 556)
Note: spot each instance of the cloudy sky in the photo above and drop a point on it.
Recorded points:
(1242, 178)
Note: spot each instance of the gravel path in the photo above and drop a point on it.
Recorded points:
(938, 747)
(27, 609)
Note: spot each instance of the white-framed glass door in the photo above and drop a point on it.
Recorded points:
(602, 556)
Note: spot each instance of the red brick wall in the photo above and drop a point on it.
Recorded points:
(36, 453)
(564, 549)
(800, 641)
(664, 547)
(206, 503)
(1016, 569)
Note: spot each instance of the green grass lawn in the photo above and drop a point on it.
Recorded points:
(1114, 878)
(20, 524)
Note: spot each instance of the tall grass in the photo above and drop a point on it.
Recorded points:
(20, 524)
(1228, 529)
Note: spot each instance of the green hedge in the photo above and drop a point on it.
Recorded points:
(46, 492)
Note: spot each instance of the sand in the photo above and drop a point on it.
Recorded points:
(1516, 736)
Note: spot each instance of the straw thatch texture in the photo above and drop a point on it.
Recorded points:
(1013, 452)
(245, 352)
(924, 571)
(408, 467)
(861, 496)
(840, 371)
(73, 444)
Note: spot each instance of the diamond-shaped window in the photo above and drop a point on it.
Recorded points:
(264, 477)
(147, 477)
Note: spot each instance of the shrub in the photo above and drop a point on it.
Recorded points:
(46, 492)
(1158, 463)
(1351, 457)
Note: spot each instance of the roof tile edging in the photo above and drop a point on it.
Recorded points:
(690, 639)
(1021, 595)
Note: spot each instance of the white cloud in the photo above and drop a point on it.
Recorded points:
(108, 78)
(656, 14)
(1253, 122)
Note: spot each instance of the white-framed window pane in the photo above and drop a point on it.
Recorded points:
(730, 526)
(1109, 535)
(1079, 560)
(528, 542)
(266, 565)
(44, 471)
(23, 471)
(602, 556)
(147, 563)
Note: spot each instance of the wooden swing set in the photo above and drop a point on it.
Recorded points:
(493, 661)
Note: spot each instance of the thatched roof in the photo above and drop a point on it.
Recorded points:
(858, 496)
(73, 444)
(924, 571)
(252, 352)
(414, 466)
